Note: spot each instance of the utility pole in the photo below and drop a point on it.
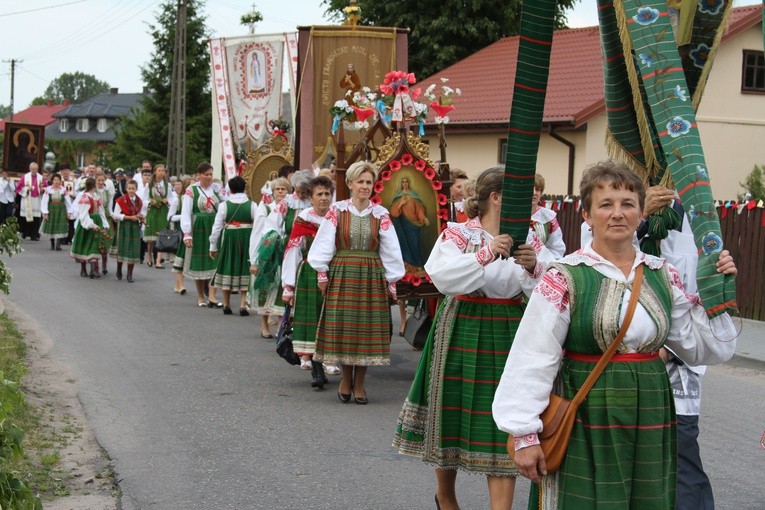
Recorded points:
(176, 129)
(13, 62)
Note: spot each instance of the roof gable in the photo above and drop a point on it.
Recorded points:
(575, 91)
(105, 105)
(37, 115)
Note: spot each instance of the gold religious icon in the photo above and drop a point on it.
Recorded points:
(352, 14)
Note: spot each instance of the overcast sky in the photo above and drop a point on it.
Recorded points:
(108, 38)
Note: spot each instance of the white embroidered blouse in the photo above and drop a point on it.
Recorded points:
(524, 389)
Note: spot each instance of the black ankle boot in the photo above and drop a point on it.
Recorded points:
(52, 244)
(119, 270)
(58, 244)
(317, 371)
(83, 270)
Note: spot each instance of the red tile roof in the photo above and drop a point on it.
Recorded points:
(575, 85)
(38, 115)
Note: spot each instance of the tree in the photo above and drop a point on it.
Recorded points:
(76, 87)
(5, 111)
(143, 134)
(444, 31)
(755, 183)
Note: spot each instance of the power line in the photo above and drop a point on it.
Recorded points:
(41, 8)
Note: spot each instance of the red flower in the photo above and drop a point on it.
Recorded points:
(416, 281)
(443, 214)
(406, 159)
(385, 175)
(441, 109)
(430, 173)
(363, 114)
(420, 165)
(376, 200)
(443, 226)
(379, 187)
(442, 199)
(437, 185)
(407, 278)
(394, 165)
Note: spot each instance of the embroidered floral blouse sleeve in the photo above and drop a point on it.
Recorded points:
(292, 258)
(695, 338)
(390, 250)
(524, 388)
(555, 241)
(44, 202)
(323, 247)
(188, 205)
(220, 221)
(117, 212)
(173, 210)
(451, 269)
(83, 212)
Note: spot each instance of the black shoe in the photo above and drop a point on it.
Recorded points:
(244, 312)
(119, 274)
(91, 275)
(83, 273)
(52, 245)
(317, 371)
(362, 401)
(129, 279)
(105, 272)
(344, 397)
(227, 310)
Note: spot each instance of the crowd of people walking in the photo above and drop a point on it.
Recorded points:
(519, 320)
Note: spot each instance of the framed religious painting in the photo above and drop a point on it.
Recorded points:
(264, 162)
(24, 144)
(410, 188)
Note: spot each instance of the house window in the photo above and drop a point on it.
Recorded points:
(80, 159)
(501, 157)
(63, 125)
(102, 125)
(753, 74)
(82, 125)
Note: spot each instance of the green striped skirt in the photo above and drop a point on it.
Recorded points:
(625, 430)
(446, 419)
(201, 266)
(233, 269)
(57, 225)
(86, 242)
(180, 256)
(308, 302)
(128, 242)
(355, 323)
(156, 220)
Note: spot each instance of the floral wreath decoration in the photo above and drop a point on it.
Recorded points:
(421, 166)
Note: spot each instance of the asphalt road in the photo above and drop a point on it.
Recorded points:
(198, 412)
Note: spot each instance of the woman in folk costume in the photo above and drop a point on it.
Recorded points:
(269, 242)
(107, 198)
(446, 418)
(544, 222)
(129, 213)
(157, 198)
(622, 452)
(55, 208)
(300, 283)
(174, 218)
(358, 260)
(200, 203)
(233, 226)
(88, 242)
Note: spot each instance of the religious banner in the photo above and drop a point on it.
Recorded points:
(338, 60)
(24, 144)
(221, 117)
(254, 66)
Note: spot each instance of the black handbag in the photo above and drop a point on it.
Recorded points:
(168, 241)
(418, 325)
(284, 339)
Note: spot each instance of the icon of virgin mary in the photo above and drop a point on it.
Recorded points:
(409, 217)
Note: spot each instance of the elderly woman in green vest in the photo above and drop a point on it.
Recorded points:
(622, 453)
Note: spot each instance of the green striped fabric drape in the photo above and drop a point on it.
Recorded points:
(665, 83)
(529, 90)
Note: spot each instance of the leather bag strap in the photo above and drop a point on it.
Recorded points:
(637, 283)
